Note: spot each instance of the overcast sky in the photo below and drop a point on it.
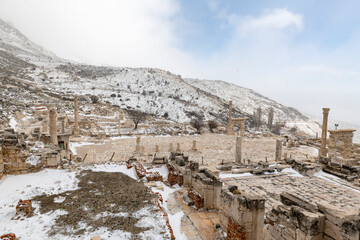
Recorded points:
(304, 54)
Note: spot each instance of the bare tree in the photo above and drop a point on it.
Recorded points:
(277, 128)
(197, 123)
(212, 125)
(137, 116)
(270, 118)
(293, 129)
(94, 99)
(257, 117)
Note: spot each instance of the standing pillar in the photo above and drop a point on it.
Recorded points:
(45, 123)
(230, 127)
(178, 147)
(157, 148)
(278, 151)
(238, 150)
(62, 119)
(242, 128)
(53, 126)
(76, 116)
(323, 151)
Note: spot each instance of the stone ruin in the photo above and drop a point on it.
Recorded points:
(24, 206)
(241, 215)
(13, 152)
(233, 121)
(8, 236)
(297, 219)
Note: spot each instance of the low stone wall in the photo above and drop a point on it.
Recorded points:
(241, 216)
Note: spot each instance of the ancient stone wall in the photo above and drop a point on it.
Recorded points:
(296, 219)
(13, 157)
(209, 187)
(241, 216)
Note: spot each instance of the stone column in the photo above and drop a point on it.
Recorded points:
(76, 116)
(238, 150)
(171, 147)
(62, 119)
(230, 126)
(278, 151)
(53, 126)
(156, 148)
(230, 110)
(242, 128)
(45, 123)
(323, 151)
(178, 147)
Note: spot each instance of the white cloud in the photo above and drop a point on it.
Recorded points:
(275, 19)
(132, 33)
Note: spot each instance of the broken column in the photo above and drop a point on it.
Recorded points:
(323, 151)
(278, 151)
(138, 147)
(194, 146)
(238, 150)
(53, 126)
(76, 116)
(178, 147)
(156, 148)
(171, 147)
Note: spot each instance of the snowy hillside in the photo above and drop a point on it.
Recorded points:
(247, 100)
(154, 91)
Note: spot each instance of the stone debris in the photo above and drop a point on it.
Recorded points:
(8, 236)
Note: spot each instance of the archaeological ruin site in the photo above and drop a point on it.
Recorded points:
(98, 152)
(234, 183)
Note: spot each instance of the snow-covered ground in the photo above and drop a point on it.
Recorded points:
(14, 188)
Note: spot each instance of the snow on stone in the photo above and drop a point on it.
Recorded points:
(334, 179)
(233, 175)
(33, 160)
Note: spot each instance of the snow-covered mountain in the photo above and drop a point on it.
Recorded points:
(40, 74)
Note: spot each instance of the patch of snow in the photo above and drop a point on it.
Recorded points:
(34, 160)
(74, 145)
(234, 175)
(13, 123)
(112, 167)
(293, 172)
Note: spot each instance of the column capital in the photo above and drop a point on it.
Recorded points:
(326, 110)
